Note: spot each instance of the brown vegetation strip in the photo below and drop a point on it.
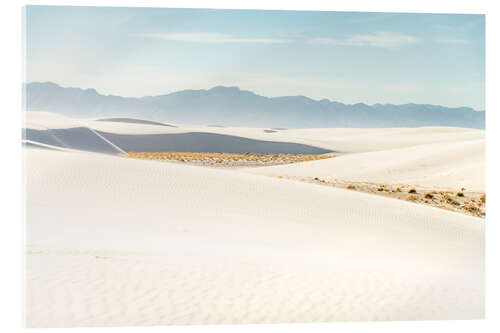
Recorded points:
(228, 160)
(466, 202)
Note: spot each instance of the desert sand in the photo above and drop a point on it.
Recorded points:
(119, 241)
(444, 165)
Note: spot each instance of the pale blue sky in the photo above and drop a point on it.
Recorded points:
(346, 57)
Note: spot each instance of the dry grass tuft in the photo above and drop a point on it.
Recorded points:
(483, 198)
(351, 187)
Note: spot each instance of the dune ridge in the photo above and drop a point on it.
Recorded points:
(134, 121)
(448, 165)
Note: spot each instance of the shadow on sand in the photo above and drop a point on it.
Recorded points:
(82, 138)
(198, 142)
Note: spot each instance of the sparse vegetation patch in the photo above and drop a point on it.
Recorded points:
(226, 159)
(471, 203)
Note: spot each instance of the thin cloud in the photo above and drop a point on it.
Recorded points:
(452, 41)
(214, 38)
(376, 39)
(324, 40)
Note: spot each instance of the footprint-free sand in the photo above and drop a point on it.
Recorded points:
(114, 241)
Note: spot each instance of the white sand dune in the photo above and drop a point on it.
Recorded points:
(75, 138)
(118, 241)
(60, 132)
(342, 140)
(44, 120)
(124, 135)
(134, 121)
(339, 140)
(206, 143)
(356, 140)
(447, 165)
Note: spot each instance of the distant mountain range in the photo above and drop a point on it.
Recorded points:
(231, 106)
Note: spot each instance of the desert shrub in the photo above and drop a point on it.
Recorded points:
(411, 198)
(412, 190)
(398, 189)
(483, 198)
(380, 188)
(471, 208)
(351, 187)
(429, 195)
(451, 200)
(460, 194)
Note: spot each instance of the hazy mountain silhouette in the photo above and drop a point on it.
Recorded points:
(234, 107)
